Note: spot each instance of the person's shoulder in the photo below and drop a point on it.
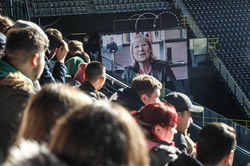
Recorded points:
(185, 160)
(162, 154)
(17, 83)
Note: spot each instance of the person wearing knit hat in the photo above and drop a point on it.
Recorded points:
(184, 108)
(80, 74)
(72, 65)
(159, 121)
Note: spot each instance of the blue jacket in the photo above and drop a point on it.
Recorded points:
(58, 74)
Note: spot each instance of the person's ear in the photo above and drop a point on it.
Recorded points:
(179, 114)
(228, 158)
(156, 130)
(102, 79)
(144, 98)
(34, 60)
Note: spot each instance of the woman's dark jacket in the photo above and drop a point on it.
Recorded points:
(160, 70)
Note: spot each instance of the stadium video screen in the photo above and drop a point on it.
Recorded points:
(168, 45)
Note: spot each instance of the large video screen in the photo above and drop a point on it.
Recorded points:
(168, 45)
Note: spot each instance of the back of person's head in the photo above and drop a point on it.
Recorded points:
(30, 153)
(94, 71)
(154, 114)
(145, 84)
(75, 47)
(99, 134)
(5, 23)
(85, 57)
(55, 38)
(23, 43)
(48, 105)
(85, 38)
(28, 24)
(216, 140)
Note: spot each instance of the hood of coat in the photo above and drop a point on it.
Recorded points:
(9, 71)
(18, 81)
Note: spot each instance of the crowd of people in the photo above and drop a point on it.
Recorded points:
(55, 109)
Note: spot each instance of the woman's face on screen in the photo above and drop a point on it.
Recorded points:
(141, 50)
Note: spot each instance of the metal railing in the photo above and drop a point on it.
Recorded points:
(241, 156)
(231, 83)
(186, 20)
(212, 42)
(242, 131)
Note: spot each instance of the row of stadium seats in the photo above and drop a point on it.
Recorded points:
(112, 2)
(72, 7)
(229, 22)
(132, 7)
(215, 2)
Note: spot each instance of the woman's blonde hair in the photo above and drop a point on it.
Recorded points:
(99, 134)
(141, 37)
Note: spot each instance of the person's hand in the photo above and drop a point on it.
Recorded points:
(62, 52)
(191, 145)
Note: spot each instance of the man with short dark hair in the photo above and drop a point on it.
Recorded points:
(184, 108)
(215, 147)
(55, 72)
(95, 77)
(21, 65)
(144, 89)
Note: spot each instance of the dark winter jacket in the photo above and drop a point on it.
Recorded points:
(90, 90)
(160, 70)
(15, 90)
(180, 142)
(162, 152)
(129, 99)
(185, 160)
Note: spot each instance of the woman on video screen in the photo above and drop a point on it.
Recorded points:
(144, 62)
